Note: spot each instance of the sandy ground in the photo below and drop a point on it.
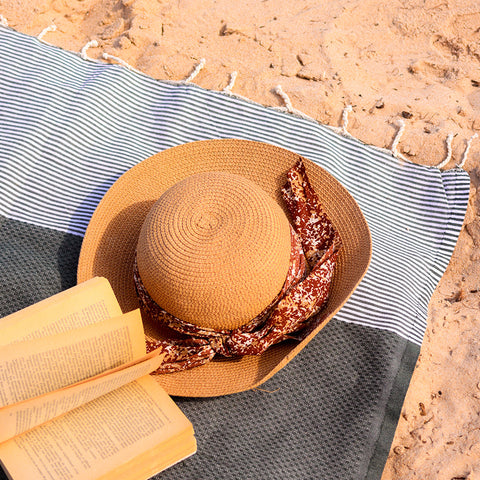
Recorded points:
(414, 60)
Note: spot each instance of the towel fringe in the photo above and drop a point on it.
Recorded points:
(231, 83)
(196, 70)
(50, 28)
(288, 107)
(467, 149)
(83, 52)
(286, 99)
(345, 113)
(401, 128)
(448, 157)
(122, 62)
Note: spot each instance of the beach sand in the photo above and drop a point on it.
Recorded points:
(411, 61)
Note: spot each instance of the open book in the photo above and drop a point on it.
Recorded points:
(76, 400)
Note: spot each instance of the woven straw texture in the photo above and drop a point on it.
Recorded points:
(214, 250)
(110, 241)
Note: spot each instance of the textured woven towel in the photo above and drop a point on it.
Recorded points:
(69, 128)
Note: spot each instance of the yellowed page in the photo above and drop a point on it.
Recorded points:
(20, 417)
(79, 306)
(155, 460)
(96, 438)
(33, 368)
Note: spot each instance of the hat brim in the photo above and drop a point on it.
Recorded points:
(111, 238)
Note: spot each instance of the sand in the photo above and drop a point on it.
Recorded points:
(415, 61)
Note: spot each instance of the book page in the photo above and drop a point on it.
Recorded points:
(85, 304)
(35, 367)
(155, 460)
(96, 438)
(20, 417)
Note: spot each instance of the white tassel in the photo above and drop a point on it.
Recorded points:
(3, 21)
(449, 151)
(83, 52)
(286, 100)
(50, 28)
(107, 56)
(345, 113)
(467, 149)
(196, 71)
(398, 136)
(228, 88)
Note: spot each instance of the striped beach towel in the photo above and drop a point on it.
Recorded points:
(70, 127)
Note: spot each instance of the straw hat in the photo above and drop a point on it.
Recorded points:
(164, 212)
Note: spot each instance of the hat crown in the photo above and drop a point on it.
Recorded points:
(214, 250)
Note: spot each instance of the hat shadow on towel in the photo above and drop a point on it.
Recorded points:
(68, 250)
